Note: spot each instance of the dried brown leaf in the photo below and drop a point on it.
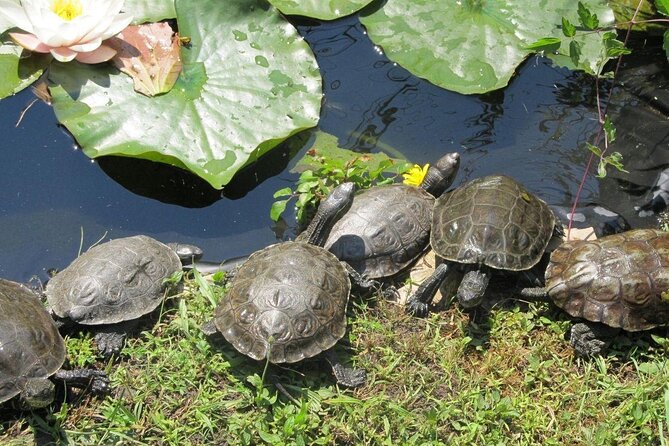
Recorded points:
(150, 55)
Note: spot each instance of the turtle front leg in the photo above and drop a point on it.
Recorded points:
(361, 280)
(95, 381)
(419, 302)
(472, 288)
(346, 376)
(591, 338)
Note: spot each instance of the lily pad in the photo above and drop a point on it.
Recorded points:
(472, 46)
(17, 73)
(150, 10)
(249, 81)
(320, 9)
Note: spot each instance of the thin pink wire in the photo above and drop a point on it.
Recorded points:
(600, 118)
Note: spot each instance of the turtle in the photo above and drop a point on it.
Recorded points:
(619, 281)
(288, 301)
(112, 285)
(388, 227)
(491, 223)
(32, 350)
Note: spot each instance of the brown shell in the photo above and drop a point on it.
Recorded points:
(386, 229)
(494, 221)
(30, 345)
(621, 280)
(120, 280)
(291, 295)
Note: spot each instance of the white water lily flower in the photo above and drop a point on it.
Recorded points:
(68, 29)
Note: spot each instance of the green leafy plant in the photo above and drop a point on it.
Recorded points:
(324, 167)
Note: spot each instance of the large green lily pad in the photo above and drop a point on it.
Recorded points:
(473, 46)
(320, 9)
(150, 10)
(16, 73)
(249, 82)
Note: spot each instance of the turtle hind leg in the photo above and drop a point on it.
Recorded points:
(591, 338)
(111, 338)
(346, 376)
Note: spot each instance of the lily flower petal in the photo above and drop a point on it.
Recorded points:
(102, 54)
(30, 42)
(16, 15)
(87, 47)
(63, 54)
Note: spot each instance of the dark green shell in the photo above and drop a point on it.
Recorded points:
(492, 221)
(30, 345)
(384, 231)
(620, 280)
(291, 296)
(117, 281)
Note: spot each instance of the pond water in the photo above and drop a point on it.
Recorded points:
(53, 198)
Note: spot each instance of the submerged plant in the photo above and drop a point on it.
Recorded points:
(68, 29)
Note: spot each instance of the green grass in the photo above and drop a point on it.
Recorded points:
(503, 378)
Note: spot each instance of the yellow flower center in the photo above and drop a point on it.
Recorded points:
(415, 175)
(67, 9)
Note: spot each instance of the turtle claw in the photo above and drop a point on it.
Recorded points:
(417, 308)
(390, 293)
(349, 377)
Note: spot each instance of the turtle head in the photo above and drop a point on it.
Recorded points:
(37, 393)
(441, 175)
(330, 210)
(472, 288)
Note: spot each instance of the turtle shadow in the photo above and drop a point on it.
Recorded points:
(291, 380)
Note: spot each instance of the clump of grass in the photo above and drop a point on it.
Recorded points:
(501, 377)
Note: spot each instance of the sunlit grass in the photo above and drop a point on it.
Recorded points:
(507, 377)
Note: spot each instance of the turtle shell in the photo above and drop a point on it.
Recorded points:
(386, 229)
(291, 295)
(493, 221)
(30, 345)
(119, 280)
(620, 280)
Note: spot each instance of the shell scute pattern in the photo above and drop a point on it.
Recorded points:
(617, 280)
(494, 221)
(299, 312)
(119, 280)
(30, 345)
(383, 247)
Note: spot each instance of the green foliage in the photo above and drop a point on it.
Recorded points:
(325, 166)
(614, 159)
(662, 7)
(579, 52)
(586, 17)
(426, 385)
(244, 65)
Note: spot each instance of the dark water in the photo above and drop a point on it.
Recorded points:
(534, 130)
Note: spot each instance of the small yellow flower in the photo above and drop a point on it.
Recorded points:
(415, 175)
